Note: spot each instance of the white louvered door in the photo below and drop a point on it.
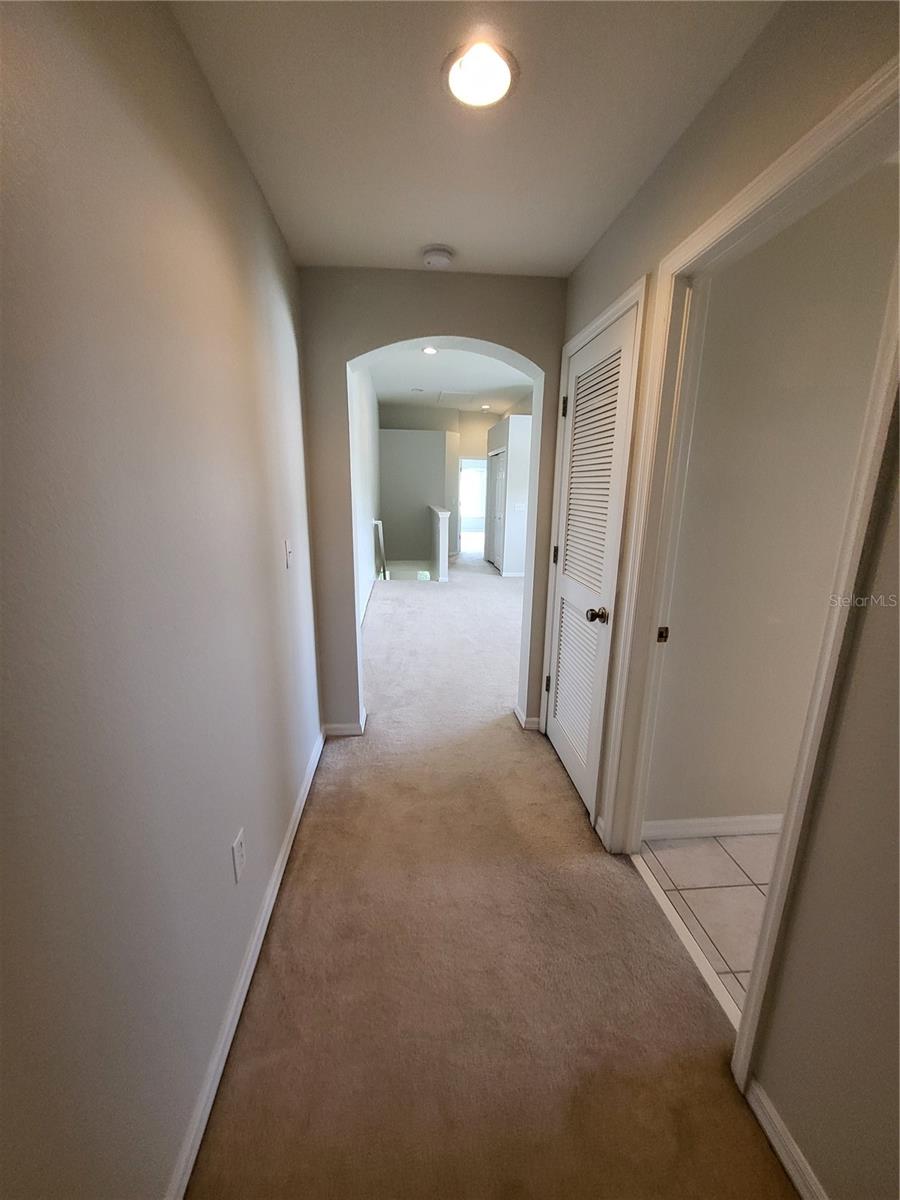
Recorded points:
(594, 462)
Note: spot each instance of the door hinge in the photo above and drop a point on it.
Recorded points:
(556, 553)
(662, 634)
(547, 684)
(565, 405)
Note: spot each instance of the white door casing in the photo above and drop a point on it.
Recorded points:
(594, 468)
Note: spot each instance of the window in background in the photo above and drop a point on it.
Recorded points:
(472, 493)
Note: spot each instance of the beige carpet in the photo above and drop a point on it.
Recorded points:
(460, 994)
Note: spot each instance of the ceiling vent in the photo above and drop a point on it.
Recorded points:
(437, 258)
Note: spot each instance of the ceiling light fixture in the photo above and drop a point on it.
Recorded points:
(485, 408)
(480, 74)
(429, 350)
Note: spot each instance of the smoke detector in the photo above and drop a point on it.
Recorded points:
(437, 258)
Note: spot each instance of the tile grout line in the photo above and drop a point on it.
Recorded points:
(706, 935)
(709, 887)
(735, 861)
(718, 842)
(665, 873)
(676, 888)
(661, 869)
(706, 931)
(741, 988)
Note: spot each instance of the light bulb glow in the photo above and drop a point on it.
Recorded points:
(429, 350)
(481, 76)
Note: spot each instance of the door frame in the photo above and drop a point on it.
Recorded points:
(535, 374)
(625, 606)
(853, 139)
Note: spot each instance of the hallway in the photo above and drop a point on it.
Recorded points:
(461, 994)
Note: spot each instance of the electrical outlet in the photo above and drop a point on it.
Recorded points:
(238, 856)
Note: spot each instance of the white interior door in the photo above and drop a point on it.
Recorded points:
(489, 512)
(594, 468)
(497, 488)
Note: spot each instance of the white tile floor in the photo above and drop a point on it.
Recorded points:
(718, 887)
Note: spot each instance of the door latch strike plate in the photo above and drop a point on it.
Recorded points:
(662, 634)
(547, 684)
(556, 554)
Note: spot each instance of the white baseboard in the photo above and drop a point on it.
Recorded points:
(792, 1158)
(526, 722)
(701, 962)
(349, 730)
(185, 1162)
(512, 574)
(693, 827)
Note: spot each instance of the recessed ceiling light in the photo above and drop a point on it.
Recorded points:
(481, 74)
(429, 350)
(417, 389)
(485, 408)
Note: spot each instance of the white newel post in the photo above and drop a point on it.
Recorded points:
(440, 544)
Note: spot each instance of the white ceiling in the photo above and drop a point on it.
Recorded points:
(451, 379)
(365, 158)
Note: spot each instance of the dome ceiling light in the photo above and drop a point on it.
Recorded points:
(481, 74)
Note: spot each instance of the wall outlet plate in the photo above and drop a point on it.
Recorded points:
(238, 856)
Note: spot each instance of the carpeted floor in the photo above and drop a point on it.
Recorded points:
(460, 995)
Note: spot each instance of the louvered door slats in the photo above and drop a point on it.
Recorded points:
(573, 694)
(594, 413)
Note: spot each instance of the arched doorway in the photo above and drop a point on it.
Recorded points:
(438, 375)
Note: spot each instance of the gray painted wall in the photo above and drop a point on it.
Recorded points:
(805, 61)
(159, 663)
(417, 416)
(413, 469)
(828, 1052)
(365, 478)
(790, 344)
(473, 433)
(472, 427)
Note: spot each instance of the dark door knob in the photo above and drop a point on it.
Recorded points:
(598, 614)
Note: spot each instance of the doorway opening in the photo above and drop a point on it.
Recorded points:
(427, 416)
(772, 454)
(472, 505)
